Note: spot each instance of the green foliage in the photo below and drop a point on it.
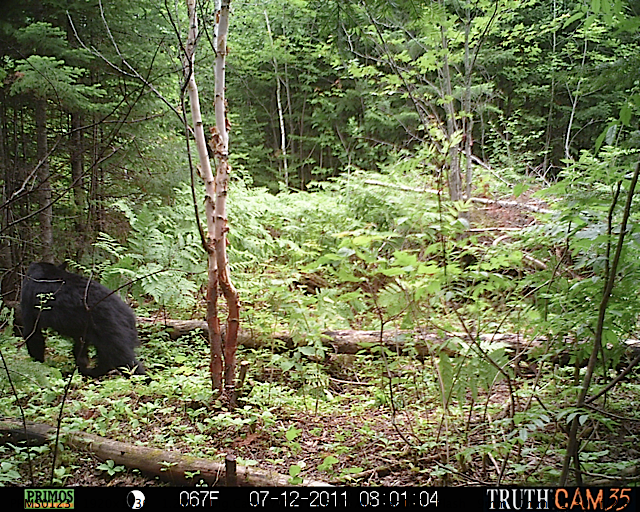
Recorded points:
(110, 467)
(47, 77)
(290, 228)
(46, 39)
(163, 257)
(25, 375)
(476, 363)
(588, 226)
(8, 472)
(45, 71)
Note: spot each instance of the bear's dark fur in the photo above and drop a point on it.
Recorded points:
(82, 309)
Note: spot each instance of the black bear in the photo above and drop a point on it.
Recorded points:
(83, 309)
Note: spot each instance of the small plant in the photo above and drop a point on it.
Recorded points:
(290, 436)
(110, 468)
(9, 473)
(61, 474)
(328, 463)
(294, 471)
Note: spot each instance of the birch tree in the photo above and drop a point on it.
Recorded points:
(216, 190)
(283, 139)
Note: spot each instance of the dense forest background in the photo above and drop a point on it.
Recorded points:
(462, 168)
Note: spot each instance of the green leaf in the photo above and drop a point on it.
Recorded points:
(391, 272)
(625, 114)
(327, 463)
(519, 189)
(404, 259)
(292, 433)
(308, 351)
(573, 18)
(345, 252)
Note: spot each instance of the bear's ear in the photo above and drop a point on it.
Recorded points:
(63, 265)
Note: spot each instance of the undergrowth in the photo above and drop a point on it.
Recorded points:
(442, 402)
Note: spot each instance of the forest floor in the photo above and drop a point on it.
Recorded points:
(372, 447)
(359, 430)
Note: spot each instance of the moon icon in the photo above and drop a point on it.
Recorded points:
(135, 500)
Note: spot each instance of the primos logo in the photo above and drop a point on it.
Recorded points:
(48, 498)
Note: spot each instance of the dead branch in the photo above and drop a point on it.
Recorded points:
(495, 228)
(481, 200)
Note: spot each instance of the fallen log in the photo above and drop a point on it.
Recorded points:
(168, 466)
(348, 341)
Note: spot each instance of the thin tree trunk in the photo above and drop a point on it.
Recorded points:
(216, 189)
(574, 104)
(283, 138)
(222, 187)
(552, 94)
(46, 215)
(454, 179)
(4, 160)
(76, 152)
(94, 219)
(13, 237)
(572, 452)
(7, 277)
(213, 322)
(467, 120)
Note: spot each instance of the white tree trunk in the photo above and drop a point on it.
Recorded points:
(223, 169)
(283, 139)
(216, 189)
